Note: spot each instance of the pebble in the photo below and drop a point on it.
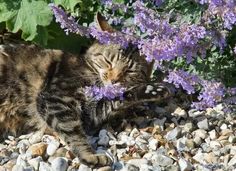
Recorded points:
(44, 166)
(173, 134)
(153, 144)
(203, 124)
(103, 138)
(52, 147)
(185, 165)
(38, 149)
(18, 167)
(35, 162)
(137, 162)
(59, 164)
(204, 141)
(83, 167)
(161, 160)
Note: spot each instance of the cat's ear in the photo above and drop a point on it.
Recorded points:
(102, 24)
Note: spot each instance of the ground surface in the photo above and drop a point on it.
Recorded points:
(181, 140)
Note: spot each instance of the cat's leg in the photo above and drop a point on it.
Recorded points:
(65, 119)
(138, 96)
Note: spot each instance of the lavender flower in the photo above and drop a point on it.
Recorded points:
(68, 22)
(185, 79)
(211, 94)
(109, 91)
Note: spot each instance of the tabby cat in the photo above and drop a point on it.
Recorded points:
(42, 88)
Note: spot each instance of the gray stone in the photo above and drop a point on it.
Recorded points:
(213, 134)
(159, 122)
(44, 167)
(52, 147)
(232, 161)
(152, 143)
(200, 133)
(180, 112)
(195, 113)
(29, 168)
(59, 164)
(35, 162)
(130, 167)
(173, 134)
(161, 160)
(83, 167)
(203, 124)
(18, 167)
(180, 144)
(184, 165)
(103, 138)
(188, 127)
(137, 162)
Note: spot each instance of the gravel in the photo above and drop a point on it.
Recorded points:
(179, 140)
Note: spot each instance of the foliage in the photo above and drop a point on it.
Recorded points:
(188, 38)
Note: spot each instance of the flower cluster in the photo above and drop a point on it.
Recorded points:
(109, 91)
(185, 79)
(159, 39)
(224, 9)
(68, 23)
(211, 94)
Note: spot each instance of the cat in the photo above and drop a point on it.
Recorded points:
(42, 88)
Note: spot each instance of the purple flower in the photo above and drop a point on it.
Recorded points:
(211, 94)
(235, 49)
(185, 79)
(109, 91)
(68, 22)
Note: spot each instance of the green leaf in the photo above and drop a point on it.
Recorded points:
(25, 15)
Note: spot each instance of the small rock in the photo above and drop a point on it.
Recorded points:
(173, 134)
(195, 113)
(153, 144)
(184, 165)
(200, 133)
(103, 138)
(134, 133)
(59, 164)
(180, 144)
(213, 134)
(161, 160)
(188, 127)
(215, 145)
(18, 167)
(44, 167)
(29, 168)
(36, 137)
(35, 162)
(106, 168)
(83, 167)
(180, 112)
(232, 161)
(159, 122)
(138, 162)
(38, 149)
(199, 157)
(52, 147)
(223, 126)
(203, 124)
(130, 167)
(232, 139)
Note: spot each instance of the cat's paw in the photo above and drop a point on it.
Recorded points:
(96, 160)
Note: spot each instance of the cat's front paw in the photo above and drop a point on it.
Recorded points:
(96, 160)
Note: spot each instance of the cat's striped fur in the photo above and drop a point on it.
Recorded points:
(42, 88)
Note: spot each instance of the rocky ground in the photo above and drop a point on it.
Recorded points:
(181, 140)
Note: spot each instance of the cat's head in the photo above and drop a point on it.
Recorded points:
(115, 64)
